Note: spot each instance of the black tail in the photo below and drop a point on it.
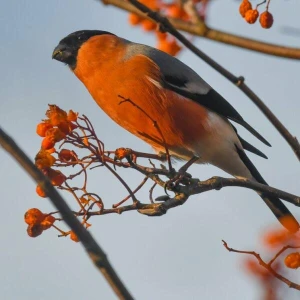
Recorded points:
(280, 211)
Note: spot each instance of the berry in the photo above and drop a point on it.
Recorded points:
(42, 128)
(134, 19)
(34, 230)
(40, 192)
(48, 143)
(74, 237)
(48, 222)
(244, 7)
(33, 216)
(266, 20)
(251, 16)
(293, 260)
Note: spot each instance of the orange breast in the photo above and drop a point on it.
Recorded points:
(106, 75)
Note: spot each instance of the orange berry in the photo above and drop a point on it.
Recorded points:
(42, 128)
(56, 115)
(34, 230)
(66, 155)
(72, 116)
(175, 11)
(40, 192)
(244, 7)
(33, 216)
(74, 237)
(48, 222)
(277, 238)
(251, 16)
(121, 153)
(134, 19)
(161, 35)
(44, 159)
(56, 134)
(52, 150)
(47, 143)
(148, 25)
(292, 260)
(57, 178)
(266, 20)
(170, 47)
(163, 45)
(152, 4)
(175, 48)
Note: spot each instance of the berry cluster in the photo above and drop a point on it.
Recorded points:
(53, 130)
(59, 129)
(37, 222)
(58, 125)
(251, 15)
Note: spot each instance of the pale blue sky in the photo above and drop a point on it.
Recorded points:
(180, 255)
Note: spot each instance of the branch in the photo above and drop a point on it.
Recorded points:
(166, 25)
(202, 30)
(267, 266)
(218, 183)
(95, 253)
(192, 187)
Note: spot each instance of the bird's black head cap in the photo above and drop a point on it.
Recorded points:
(67, 49)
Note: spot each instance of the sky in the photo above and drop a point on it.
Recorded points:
(179, 255)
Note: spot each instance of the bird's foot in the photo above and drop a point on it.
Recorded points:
(181, 176)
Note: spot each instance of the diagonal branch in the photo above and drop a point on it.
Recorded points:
(95, 253)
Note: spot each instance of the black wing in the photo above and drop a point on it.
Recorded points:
(181, 79)
(212, 100)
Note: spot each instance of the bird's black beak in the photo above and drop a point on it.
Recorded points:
(62, 53)
(58, 52)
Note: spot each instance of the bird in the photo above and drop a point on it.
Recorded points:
(194, 119)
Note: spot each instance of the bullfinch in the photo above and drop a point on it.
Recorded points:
(193, 117)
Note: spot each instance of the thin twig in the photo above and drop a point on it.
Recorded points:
(151, 192)
(265, 265)
(134, 192)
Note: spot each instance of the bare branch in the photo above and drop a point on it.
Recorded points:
(192, 187)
